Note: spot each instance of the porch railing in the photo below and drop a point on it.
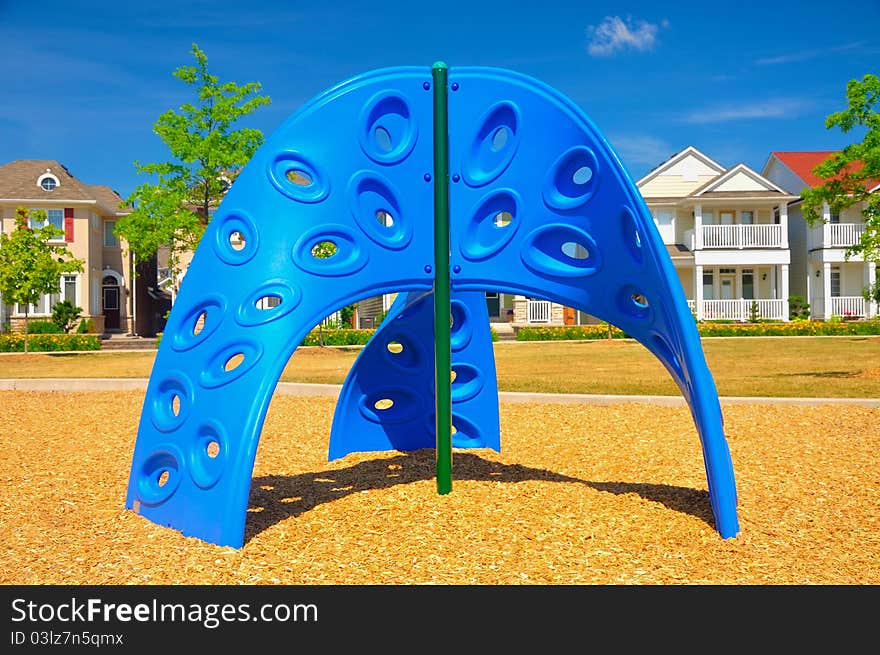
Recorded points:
(766, 235)
(740, 310)
(848, 306)
(835, 235)
(539, 311)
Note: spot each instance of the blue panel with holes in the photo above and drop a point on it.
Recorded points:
(336, 207)
(543, 207)
(387, 399)
(348, 175)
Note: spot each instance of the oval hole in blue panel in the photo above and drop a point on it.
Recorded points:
(468, 382)
(209, 452)
(631, 237)
(236, 238)
(493, 145)
(390, 405)
(461, 328)
(269, 302)
(467, 434)
(377, 211)
(492, 225)
(198, 323)
(294, 175)
(632, 302)
(388, 132)
(561, 250)
(348, 256)
(572, 179)
(159, 475)
(230, 363)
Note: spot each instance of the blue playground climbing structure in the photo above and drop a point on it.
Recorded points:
(538, 205)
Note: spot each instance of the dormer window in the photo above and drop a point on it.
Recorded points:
(47, 181)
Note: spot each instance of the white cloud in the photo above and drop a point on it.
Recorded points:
(640, 149)
(614, 34)
(770, 108)
(807, 54)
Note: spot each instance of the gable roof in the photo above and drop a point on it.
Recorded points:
(802, 163)
(677, 157)
(765, 188)
(18, 181)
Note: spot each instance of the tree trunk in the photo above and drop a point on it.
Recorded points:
(26, 328)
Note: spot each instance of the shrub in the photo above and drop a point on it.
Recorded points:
(86, 326)
(65, 315)
(43, 327)
(337, 337)
(14, 342)
(798, 307)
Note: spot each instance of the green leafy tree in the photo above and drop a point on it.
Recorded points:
(207, 154)
(852, 176)
(65, 315)
(30, 265)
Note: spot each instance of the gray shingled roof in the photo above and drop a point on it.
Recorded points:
(18, 180)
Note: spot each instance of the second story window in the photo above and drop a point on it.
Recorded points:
(110, 240)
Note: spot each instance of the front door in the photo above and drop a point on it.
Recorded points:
(727, 287)
(493, 304)
(110, 297)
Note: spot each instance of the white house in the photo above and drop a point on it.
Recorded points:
(822, 273)
(726, 230)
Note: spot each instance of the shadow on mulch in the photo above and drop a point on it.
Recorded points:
(274, 498)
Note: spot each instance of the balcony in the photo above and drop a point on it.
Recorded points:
(834, 235)
(735, 237)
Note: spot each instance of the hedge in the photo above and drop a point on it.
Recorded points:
(337, 337)
(14, 342)
(794, 328)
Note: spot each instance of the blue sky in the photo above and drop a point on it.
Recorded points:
(83, 82)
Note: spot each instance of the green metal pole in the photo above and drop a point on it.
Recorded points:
(442, 309)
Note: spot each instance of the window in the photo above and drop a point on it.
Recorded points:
(708, 284)
(835, 283)
(56, 218)
(69, 288)
(43, 307)
(110, 240)
(834, 217)
(747, 217)
(748, 284)
(94, 221)
(708, 218)
(47, 181)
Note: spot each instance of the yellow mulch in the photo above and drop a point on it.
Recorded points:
(579, 495)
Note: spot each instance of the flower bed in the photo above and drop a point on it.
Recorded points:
(14, 342)
(794, 328)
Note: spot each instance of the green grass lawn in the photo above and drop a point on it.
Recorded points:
(840, 367)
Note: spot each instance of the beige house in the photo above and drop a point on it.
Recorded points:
(822, 273)
(87, 215)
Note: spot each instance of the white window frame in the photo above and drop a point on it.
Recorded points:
(104, 235)
(48, 176)
(44, 304)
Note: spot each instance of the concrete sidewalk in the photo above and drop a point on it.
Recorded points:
(332, 390)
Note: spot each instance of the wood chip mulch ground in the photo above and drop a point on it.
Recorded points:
(596, 495)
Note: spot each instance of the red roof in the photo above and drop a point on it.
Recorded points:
(803, 163)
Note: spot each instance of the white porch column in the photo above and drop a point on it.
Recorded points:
(783, 222)
(698, 292)
(809, 298)
(698, 227)
(783, 269)
(774, 289)
(826, 230)
(870, 277)
(826, 288)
